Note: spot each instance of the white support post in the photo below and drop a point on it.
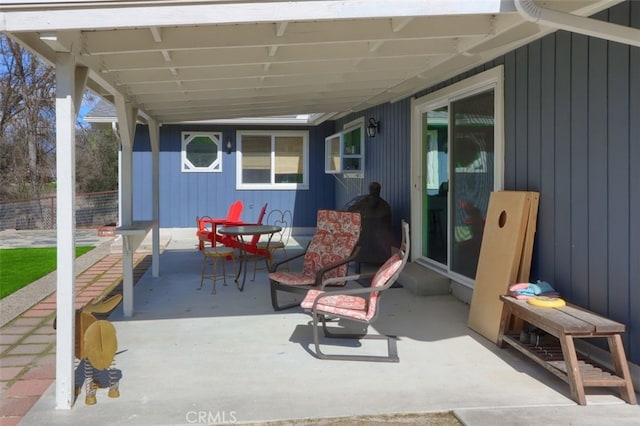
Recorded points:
(69, 88)
(126, 212)
(154, 136)
(114, 127)
(80, 81)
(126, 190)
(126, 129)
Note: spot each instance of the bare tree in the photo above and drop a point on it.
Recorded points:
(96, 160)
(27, 122)
(27, 131)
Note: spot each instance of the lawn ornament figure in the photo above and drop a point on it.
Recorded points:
(96, 346)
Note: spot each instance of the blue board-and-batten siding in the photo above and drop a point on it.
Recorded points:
(634, 192)
(386, 160)
(183, 196)
(573, 133)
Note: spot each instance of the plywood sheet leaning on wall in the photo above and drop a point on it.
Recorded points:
(527, 251)
(524, 274)
(501, 256)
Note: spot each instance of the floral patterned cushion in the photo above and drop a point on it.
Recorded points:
(335, 239)
(340, 304)
(382, 276)
(336, 221)
(355, 306)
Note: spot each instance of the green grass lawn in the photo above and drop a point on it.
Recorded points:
(22, 266)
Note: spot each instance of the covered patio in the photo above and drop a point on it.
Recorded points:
(228, 354)
(188, 356)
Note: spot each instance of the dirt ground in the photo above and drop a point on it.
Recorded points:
(429, 419)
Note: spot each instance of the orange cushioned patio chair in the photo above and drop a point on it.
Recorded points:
(357, 304)
(328, 254)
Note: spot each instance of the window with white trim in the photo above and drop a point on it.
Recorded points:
(344, 151)
(272, 159)
(202, 152)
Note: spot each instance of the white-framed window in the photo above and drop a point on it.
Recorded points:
(201, 152)
(344, 151)
(272, 159)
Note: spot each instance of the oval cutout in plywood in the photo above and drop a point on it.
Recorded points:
(502, 220)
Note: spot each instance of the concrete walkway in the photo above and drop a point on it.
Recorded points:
(27, 337)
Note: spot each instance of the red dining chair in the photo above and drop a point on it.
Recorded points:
(249, 247)
(207, 227)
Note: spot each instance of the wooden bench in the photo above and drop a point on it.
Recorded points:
(560, 358)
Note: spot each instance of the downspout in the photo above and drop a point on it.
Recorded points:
(578, 24)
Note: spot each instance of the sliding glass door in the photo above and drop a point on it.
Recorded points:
(459, 139)
(471, 177)
(435, 220)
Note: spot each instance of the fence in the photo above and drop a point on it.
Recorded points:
(92, 210)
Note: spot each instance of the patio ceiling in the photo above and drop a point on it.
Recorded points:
(209, 60)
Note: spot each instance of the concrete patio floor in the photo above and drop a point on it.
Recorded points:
(192, 357)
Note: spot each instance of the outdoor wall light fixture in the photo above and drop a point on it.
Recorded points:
(228, 146)
(373, 128)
